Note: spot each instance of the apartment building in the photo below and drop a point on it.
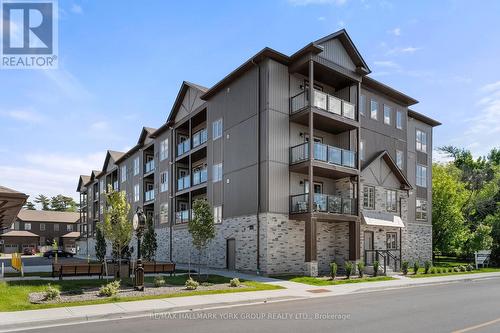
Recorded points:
(254, 144)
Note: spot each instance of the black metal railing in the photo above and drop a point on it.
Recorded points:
(324, 153)
(324, 203)
(386, 257)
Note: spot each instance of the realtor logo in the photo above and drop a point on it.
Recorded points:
(29, 34)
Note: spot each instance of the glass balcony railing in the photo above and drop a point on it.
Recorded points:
(325, 102)
(200, 177)
(183, 147)
(149, 195)
(183, 183)
(324, 153)
(115, 185)
(200, 138)
(323, 203)
(182, 216)
(150, 166)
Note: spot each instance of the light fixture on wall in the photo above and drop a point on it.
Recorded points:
(301, 182)
(301, 134)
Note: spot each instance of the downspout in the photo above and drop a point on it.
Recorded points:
(171, 209)
(258, 166)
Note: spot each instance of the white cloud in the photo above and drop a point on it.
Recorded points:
(317, 2)
(341, 24)
(23, 115)
(67, 84)
(396, 32)
(403, 50)
(99, 126)
(77, 9)
(386, 64)
(321, 18)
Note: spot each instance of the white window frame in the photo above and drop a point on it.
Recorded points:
(136, 166)
(56, 227)
(164, 149)
(421, 175)
(421, 141)
(391, 200)
(217, 172)
(387, 114)
(420, 213)
(27, 226)
(217, 214)
(362, 105)
(42, 226)
(137, 191)
(123, 173)
(369, 197)
(69, 227)
(391, 240)
(373, 112)
(101, 185)
(399, 158)
(164, 181)
(217, 129)
(399, 119)
(362, 149)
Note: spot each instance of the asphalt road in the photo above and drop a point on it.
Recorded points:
(470, 306)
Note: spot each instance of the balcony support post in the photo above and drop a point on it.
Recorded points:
(354, 240)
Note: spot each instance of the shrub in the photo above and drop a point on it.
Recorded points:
(191, 284)
(416, 267)
(376, 266)
(463, 268)
(456, 269)
(159, 281)
(361, 269)
(349, 269)
(333, 270)
(51, 293)
(110, 289)
(404, 267)
(433, 270)
(234, 283)
(470, 268)
(450, 269)
(440, 270)
(427, 266)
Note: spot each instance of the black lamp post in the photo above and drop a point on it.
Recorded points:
(138, 222)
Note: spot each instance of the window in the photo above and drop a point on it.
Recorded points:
(421, 210)
(56, 227)
(123, 173)
(163, 149)
(421, 144)
(369, 197)
(399, 159)
(391, 201)
(27, 226)
(101, 209)
(217, 129)
(164, 213)
(373, 109)
(136, 166)
(164, 181)
(362, 105)
(392, 240)
(69, 227)
(217, 173)
(387, 114)
(399, 120)
(421, 176)
(218, 214)
(42, 226)
(103, 189)
(362, 150)
(136, 192)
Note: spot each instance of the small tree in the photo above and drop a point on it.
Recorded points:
(201, 226)
(116, 226)
(149, 243)
(100, 245)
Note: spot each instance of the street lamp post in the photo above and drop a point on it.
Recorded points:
(138, 222)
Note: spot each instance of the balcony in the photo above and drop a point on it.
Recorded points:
(325, 102)
(149, 195)
(200, 177)
(182, 217)
(183, 147)
(323, 153)
(183, 183)
(200, 138)
(323, 203)
(149, 167)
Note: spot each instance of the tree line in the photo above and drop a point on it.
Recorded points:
(59, 203)
(466, 203)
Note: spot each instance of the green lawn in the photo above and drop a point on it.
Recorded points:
(322, 282)
(14, 294)
(481, 270)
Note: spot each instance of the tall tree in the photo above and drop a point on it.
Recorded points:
(149, 243)
(63, 203)
(201, 226)
(116, 226)
(100, 245)
(43, 201)
(29, 206)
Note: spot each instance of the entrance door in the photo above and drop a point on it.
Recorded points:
(368, 245)
(231, 254)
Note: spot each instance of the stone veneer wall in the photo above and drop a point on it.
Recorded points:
(417, 242)
(332, 244)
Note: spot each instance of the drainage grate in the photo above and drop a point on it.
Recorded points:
(317, 291)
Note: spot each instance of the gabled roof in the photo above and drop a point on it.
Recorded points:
(385, 89)
(27, 215)
(113, 156)
(350, 48)
(11, 202)
(145, 132)
(19, 233)
(423, 118)
(82, 181)
(72, 234)
(93, 176)
(394, 168)
(180, 97)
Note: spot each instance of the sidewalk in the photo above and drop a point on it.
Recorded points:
(10, 321)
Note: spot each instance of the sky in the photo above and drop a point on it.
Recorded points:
(121, 64)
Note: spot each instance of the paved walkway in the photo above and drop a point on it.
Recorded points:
(67, 315)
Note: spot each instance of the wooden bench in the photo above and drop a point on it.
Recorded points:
(158, 267)
(61, 270)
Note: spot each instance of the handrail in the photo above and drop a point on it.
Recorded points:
(324, 101)
(324, 153)
(323, 203)
(386, 254)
